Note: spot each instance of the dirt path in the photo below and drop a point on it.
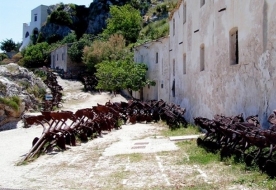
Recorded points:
(134, 157)
(95, 163)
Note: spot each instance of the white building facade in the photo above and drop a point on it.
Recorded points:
(38, 18)
(154, 55)
(221, 58)
(61, 60)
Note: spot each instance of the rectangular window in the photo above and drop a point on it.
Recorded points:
(173, 88)
(173, 27)
(184, 13)
(156, 57)
(234, 46)
(202, 58)
(35, 17)
(173, 67)
(57, 57)
(184, 63)
(202, 2)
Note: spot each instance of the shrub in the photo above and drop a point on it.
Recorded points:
(13, 102)
(3, 56)
(155, 30)
(36, 91)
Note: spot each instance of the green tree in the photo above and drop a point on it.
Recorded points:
(122, 74)
(70, 38)
(36, 55)
(76, 50)
(7, 45)
(112, 49)
(124, 20)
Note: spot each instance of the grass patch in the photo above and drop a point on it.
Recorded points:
(230, 173)
(197, 155)
(189, 130)
(135, 157)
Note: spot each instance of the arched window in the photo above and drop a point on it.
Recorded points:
(27, 35)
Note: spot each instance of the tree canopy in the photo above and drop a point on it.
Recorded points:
(124, 20)
(76, 50)
(122, 74)
(36, 55)
(101, 50)
(7, 45)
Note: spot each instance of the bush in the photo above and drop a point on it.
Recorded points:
(13, 102)
(3, 56)
(36, 55)
(36, 91)
(155, 30)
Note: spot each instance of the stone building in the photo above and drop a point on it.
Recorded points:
(38, 18)
(154, 54)
(61, 60)
(220, 57)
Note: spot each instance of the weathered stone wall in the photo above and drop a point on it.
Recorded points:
(155, 57)
(223, 87)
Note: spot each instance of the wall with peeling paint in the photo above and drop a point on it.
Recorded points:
(223, 88)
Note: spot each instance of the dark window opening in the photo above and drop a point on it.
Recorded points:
(173, 26)
(27, 35)
(156, 57)
(173, 67)
(35, 17)
(202, 2)
(234, 46)
(184, 63)
(173, 88)
(202, 58)
(184, 13)
(237, 48)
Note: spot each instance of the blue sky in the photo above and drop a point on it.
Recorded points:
(16, 12)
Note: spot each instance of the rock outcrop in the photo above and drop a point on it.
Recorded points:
(90, 20)
(18, 81)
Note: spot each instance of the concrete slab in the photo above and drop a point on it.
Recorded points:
(183, 138)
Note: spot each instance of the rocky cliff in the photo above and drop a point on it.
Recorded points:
(64, 19)
(16, 81)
